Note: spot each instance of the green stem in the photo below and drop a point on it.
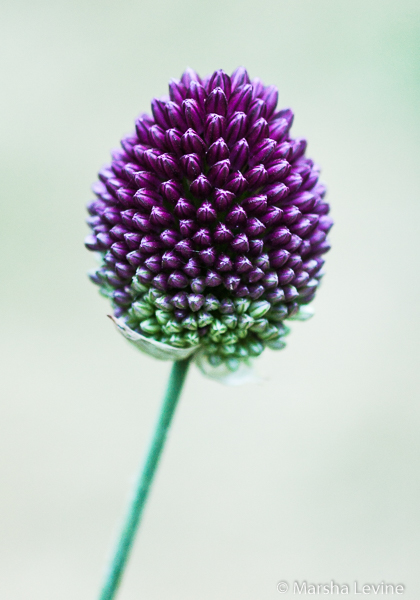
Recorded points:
(142, 486)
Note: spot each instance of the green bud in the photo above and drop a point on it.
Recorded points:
(162, 316)
(192, 338)
(241, 351)
(229, 338)
(142, 309)
(245, 322)
(171, 327)
(233, 364)
(255, 348)
(259, 326)
(163, 302)
(259, 309)
(211, 302)
(230, 321)
(270, 333)
(152, 295)
(137, 286)
(215, 337)
(212, 348)
(277, 313)
(189, 323)
(150, 326)
(217, 327)
(227, 350)
(204, 319)
(278, 344)
(242, 333)
(177, 341)
(241, 305)
(215, 360)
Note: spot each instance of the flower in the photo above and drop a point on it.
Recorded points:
(210, 222)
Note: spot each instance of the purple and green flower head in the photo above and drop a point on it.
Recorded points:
(210, 223)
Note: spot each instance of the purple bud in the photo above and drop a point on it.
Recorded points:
(154, 263)
(213, 279)
(262, 152)
(317, 250)
(142, 222)
(168, 165)
(257, 110)
(147, 199)
(298, 148)
(180, 300)
(206, 213)
(317, 237)
(257, 132)
(236, 183)
(217, 151)
(275, 296)
(272, 216)
(133, 240)
(119, 249)
(276, 192)
(257, 177)
(194, 115)
(231, 282)
(301, 280)
(295, 262)
(256, 291)
(169, 237)
(195, 301)
(278, 258)
(144, 275)
(216, 102)
(185, 248)
(192, 143)
(207, 256)
(325, 223)
(256, 247)
(242, 264)
(270, 280)
(236, 128)
(218, 173)
(242, 291)
(145, 179)
(294, 243)
(255, 204)
(112, 215)
(254, 227)
(125, 196)
(104, 240)
(121, 298)
(160, 216)
(188, 76)
(223, 263)
(170, 260)
(192, 268)
(202, 237)
(240, 243)
(135, 258)
(239, 77)
(171, 190)
(198, 285)
(184, 209)
(157, 137)
(117, 232)
(175, 115)
(91, 243)
(255, 275)
(126, 216)
(187, 227)
(239, 154)
(159, 114)
(177, 91)
(150, 244)
(223, 199)
(191, 165)
(236, 216)
(240, 99)
(270, 96)
(222, 233)
(285, 275)
(290, 293)
(305, 201)
(142, 129)
(197, 92)
(278, 170)
(280, 236)
(124, 271)
(291, 214)
(214, 127)
(220, 79)
(200, 187)
(161, 281)
(173, 141)
(177, 280)
(227, 307)
(302, 227)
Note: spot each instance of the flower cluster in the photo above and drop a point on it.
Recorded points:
(210, 221)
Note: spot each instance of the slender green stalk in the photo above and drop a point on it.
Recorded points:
(143, 483)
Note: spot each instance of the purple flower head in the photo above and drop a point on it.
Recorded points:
(211, 222)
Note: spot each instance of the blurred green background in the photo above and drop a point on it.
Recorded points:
(313, 475)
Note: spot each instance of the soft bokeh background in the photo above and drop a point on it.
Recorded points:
(313, 475)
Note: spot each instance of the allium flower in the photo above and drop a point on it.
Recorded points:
(210, 222)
